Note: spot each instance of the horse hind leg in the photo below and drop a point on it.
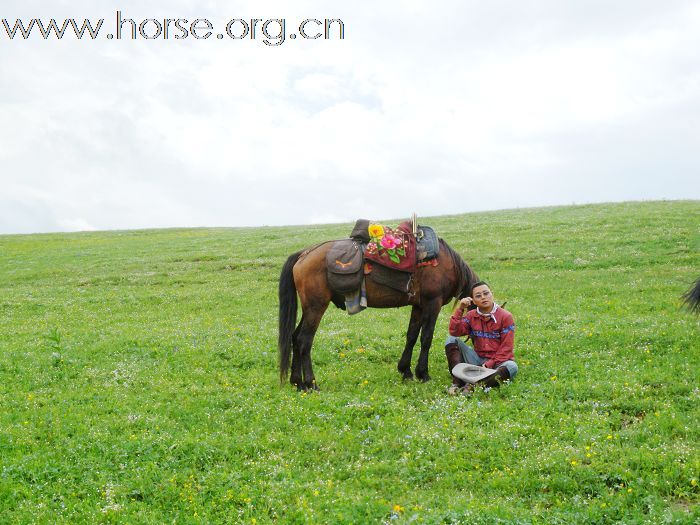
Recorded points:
(295, 377)
(411, 338)
(305, 339)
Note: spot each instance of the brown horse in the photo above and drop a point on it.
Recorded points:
(304, 274)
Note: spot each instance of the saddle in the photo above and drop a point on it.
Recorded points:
(391, 256)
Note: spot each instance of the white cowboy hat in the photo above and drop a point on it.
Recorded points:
(471, 373)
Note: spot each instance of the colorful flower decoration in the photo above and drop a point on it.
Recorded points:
(376, 231)
(385, 241)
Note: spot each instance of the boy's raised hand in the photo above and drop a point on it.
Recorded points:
(462, 305)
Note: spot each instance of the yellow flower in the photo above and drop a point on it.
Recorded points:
(693, 482)
(376, 231)
(574, 462)
(398, 508)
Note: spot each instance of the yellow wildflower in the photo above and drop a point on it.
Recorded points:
(376, 231)
(398, 508)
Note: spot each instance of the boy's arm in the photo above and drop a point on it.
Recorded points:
(458, 323)
(505, 350)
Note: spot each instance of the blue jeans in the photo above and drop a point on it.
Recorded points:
(471, 357)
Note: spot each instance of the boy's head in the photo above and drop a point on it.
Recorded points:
(482, 296)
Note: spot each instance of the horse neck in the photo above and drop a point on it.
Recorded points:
(465, 276)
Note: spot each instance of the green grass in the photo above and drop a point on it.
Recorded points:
(139, 382)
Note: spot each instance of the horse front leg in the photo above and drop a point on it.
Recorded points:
(411, 338)
(428, 319)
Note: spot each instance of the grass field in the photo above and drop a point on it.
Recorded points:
(139, 381)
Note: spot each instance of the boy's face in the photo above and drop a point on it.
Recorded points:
(483, 298)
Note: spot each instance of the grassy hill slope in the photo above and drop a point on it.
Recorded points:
(139, 382)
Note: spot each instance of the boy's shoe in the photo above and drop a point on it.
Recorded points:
(495, 380)
(453, 390)
(467, 389)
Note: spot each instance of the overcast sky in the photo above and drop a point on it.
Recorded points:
(433, 107)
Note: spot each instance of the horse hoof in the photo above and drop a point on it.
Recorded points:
(407, 376)
(423, 378)
(313, 387)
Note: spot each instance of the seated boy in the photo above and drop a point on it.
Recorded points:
(492, 331)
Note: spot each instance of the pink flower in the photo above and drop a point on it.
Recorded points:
(389, 242)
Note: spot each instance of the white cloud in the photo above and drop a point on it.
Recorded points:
(420, 106)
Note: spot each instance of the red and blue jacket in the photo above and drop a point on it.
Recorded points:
(493, 335)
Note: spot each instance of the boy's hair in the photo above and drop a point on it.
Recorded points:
(480, 283)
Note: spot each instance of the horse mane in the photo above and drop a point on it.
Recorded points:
(465, 275)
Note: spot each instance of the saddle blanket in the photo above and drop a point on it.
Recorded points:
(393, 248)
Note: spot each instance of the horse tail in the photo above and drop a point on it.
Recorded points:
(287, 314)
(691, 298)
